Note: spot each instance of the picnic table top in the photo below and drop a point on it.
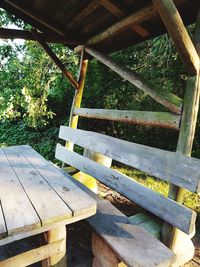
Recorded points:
(36, 196)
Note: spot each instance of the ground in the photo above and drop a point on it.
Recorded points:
(79, 252)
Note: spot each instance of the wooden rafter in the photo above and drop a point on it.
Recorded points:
(179, 34)
(170, 101)
(133, 19)
(56, 60)
(116, 11)
(27, 35)
(84, 13)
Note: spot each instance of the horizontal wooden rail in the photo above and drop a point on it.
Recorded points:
(179, 34)
(27, 35)
(161, 119)
(173, 167)
(167, 209)
(34, 255)
(170, 101)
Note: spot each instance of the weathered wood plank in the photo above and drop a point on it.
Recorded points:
(178, 32)
(48, 205)
(160, 119)
(130, 241)
(34, 255)
(78, 201)
(167, 209)
(169, 166)
(114, 224)
(167, 99)
(19, 213)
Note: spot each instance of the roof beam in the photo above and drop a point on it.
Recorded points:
(117, 12)
(170, 101)
(84, 13)
(27, 35)
(133, 19)
(179, 34)
(56, 60)
(122, 25)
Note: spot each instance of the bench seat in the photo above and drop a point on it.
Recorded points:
(132, 244)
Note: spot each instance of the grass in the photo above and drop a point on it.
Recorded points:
(191, 200)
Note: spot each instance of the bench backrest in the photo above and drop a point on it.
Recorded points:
(180, 170)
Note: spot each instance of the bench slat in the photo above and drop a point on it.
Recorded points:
(77, 200)
(18, 211)
(130, 243)
(167, 209)
(178, 169)
(38, 190)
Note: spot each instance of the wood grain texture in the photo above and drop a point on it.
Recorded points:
(160, 119)
(80, 203)
(169, 166)
(34, 255)
(44, 199)
(167, 209)
(19, 213)
(179, 34)
(167, 99)
(129, 241)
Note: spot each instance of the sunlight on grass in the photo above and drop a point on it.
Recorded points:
(191, 200)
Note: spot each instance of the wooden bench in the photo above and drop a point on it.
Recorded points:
(118, 235)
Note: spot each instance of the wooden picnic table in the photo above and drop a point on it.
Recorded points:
(37, 197)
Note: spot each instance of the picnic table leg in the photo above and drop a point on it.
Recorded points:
(52, 236)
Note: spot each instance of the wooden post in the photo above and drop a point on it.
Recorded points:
(172, 236)
(53, 236)
(179, 34)
(73, 120)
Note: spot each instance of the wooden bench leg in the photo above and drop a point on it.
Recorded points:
(53, 236)
(103, 254)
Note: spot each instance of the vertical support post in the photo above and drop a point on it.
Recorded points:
(52, 236)
(171, 235)
(73, 120)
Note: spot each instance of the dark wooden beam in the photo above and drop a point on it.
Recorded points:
(56, 60)
(84, 13)
(133, 19)
(117, 12)
(27, 35)
(179, 34)
(170, 101)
